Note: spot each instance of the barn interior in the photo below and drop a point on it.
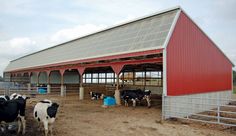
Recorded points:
(143, 72)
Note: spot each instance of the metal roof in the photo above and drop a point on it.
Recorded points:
(146, 33)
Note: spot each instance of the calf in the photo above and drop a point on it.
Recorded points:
(96, 96)
(45, 112)
(136, 95)
(11, 110)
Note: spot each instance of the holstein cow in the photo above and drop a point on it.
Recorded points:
(96, 96)
(45, 112)
(21, 115)
(13, 109)
(136, 95)
(4, 98)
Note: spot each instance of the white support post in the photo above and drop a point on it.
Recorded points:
(48, 88)
(48, 82)
(164, 81)
(117, 91)
(63, 90)
(81, 88)
(29, 87)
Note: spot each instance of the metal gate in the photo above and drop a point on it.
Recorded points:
(208, 110)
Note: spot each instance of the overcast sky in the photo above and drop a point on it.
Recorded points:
(27, 26)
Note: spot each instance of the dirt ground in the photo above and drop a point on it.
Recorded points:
(88, 118)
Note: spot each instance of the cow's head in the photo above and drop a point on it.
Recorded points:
(55, 105)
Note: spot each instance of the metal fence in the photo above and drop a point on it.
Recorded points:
(208, 110)
(27, 90)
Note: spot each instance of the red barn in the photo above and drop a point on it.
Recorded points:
(166, 52)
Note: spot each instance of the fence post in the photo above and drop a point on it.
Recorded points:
(189, 105)
(218, 108)
(7, 91)
(163, 108)
(65, 91)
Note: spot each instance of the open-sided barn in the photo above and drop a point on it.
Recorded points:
(165, 52)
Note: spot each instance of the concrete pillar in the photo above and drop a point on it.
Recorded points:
(48, 88)
(63, 90)
(37, 79)
(48, 82)
(81, 93)
(117, 91)
(81, 88)
(29, 86)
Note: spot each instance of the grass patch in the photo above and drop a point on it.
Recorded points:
(234, 90)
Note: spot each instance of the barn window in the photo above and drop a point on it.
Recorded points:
(88, 78)
(99, 78)
(95, 78)
(154, 78)
(127, 78)
(110, 78)
(102, 78)
(139, 78)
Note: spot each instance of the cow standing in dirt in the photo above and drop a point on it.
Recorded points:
(13, 109)
(45, 112)
(96, 96)
(136, 95)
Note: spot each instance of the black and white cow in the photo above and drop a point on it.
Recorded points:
(21, 115)
(45, 112)
(4, 98)
(96, 96)
(136, 95)
(13, 109)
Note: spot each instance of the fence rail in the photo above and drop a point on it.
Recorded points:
(24, 90)
(208, 110)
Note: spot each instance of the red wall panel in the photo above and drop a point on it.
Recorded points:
(194, 63)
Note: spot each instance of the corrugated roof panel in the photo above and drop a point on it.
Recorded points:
(141, 35)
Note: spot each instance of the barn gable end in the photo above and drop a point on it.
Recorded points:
(194, 63)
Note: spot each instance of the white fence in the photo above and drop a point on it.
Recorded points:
(26, 90)
(216, 110)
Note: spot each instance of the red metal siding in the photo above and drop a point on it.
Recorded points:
(194, 63)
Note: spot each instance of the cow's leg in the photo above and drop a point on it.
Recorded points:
(126, 103)
(19, 125)
(45, 123)
(39, 126)
(148, 101)
(50, 128)
(3, 126)
(22, 119)
(134, 102)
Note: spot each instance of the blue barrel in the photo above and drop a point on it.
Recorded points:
(109, 101)
(42, 90)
